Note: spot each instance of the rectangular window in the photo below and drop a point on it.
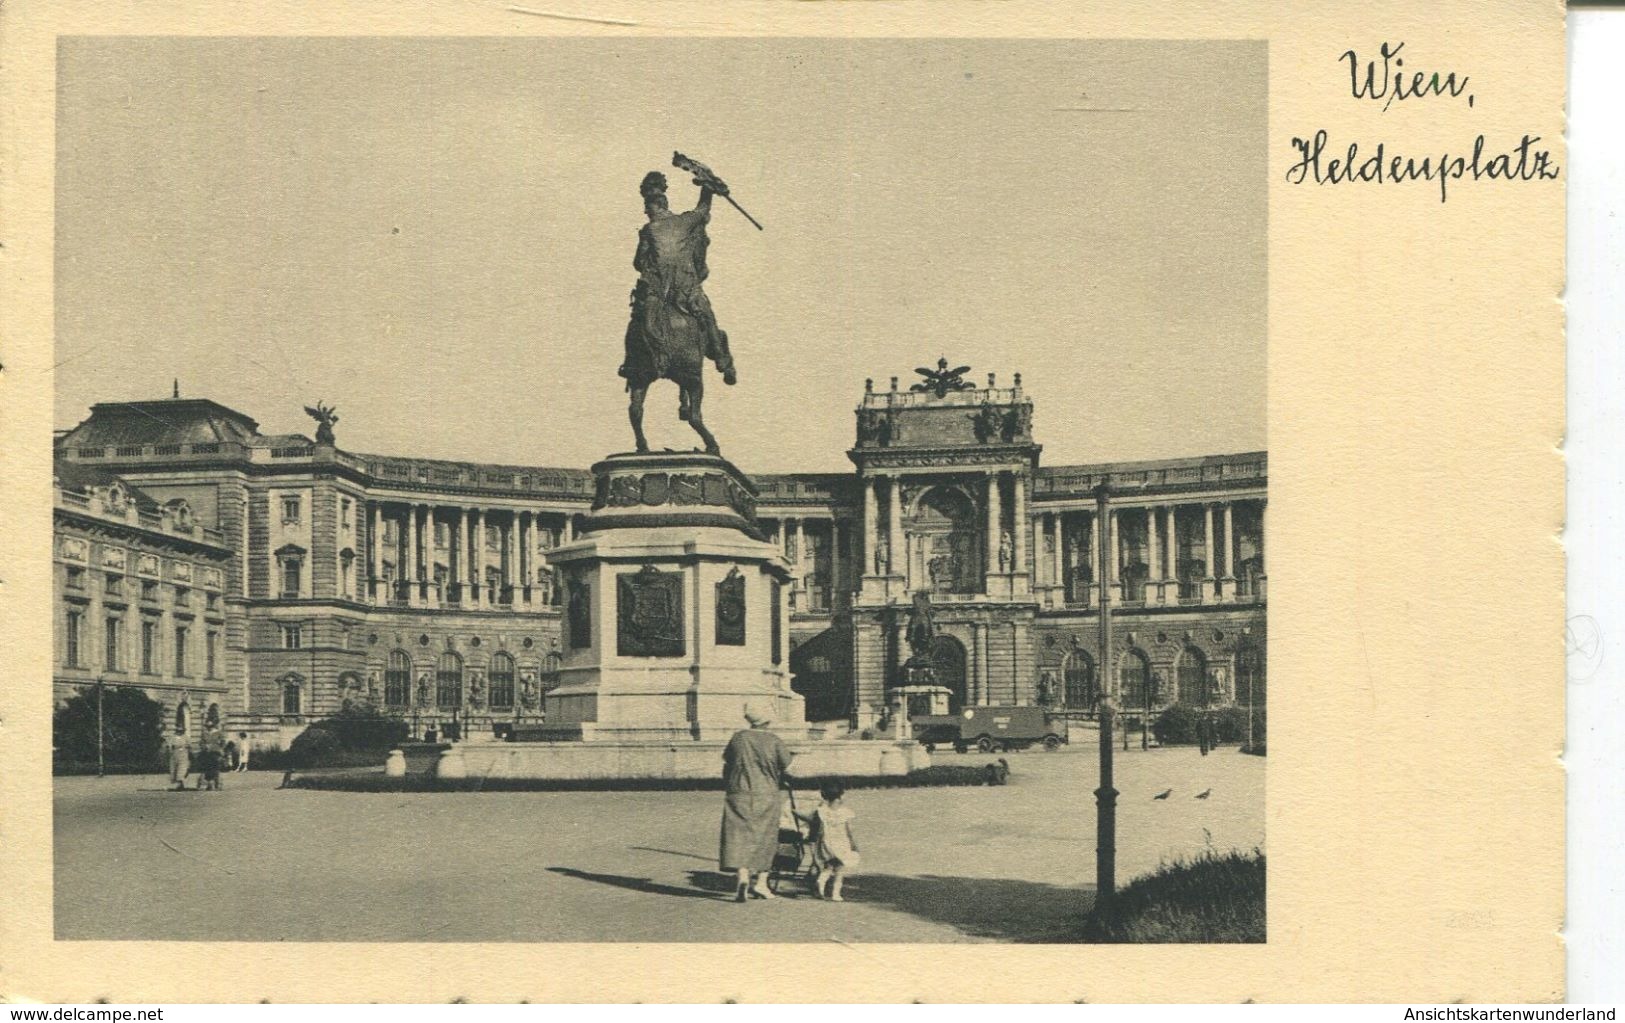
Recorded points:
(442, 534)
(290, 511)
(75, 622)
(113, 661)
(183, 596)
(180, 650)
(292, 637)
(211, 654)
(76, 578)
(344, 512)
(290, 578)
(149, 646)
(212, 601)
(149, 590)
(115, 585)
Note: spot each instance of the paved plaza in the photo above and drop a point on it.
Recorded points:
(254, 863)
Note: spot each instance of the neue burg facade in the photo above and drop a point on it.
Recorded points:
(272, 579)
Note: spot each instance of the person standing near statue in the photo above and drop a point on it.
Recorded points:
(673, 330)
(753, 766)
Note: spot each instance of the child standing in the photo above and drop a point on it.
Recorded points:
(836, 853)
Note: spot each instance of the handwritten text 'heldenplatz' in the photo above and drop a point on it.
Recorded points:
(1522, 163)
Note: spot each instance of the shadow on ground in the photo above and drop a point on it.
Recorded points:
(980, 907)
(637, 884)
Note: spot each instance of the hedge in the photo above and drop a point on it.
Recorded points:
(930, 777)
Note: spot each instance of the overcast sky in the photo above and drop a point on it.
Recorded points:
(436, 236)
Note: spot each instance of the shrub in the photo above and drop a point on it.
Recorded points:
(351, 738)
(1179, 724)
(132, 732)
(1214, 898)
(312, 748)
(365, 729)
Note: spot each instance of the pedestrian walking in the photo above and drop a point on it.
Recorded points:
(753, 764)
(180, 760)
(835, 849)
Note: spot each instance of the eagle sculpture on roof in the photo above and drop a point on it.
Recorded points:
(941, 380)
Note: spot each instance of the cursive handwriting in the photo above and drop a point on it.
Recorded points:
(1523, 163)
(1385, 80)
(1394, 83)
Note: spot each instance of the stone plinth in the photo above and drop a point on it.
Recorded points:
(676, 611)
(684, 759)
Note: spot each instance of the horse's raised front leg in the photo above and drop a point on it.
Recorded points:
(634, 412)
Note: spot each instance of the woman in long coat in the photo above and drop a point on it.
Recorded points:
(753, 765)
(180, 760)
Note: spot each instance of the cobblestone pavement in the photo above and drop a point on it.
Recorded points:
(253, 863)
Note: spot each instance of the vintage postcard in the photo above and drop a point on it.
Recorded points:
(562, 504)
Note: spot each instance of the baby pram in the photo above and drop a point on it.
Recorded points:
(793, 857)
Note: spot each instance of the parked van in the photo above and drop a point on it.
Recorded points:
(989, 729)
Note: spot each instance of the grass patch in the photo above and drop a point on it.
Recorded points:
(355, 781)
(1215, 898)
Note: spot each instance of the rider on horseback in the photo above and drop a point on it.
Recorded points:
(673, 330)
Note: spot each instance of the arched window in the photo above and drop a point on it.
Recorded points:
(1133, 677)
(552, 664)
(1079, 673)
(183, 718)
(1250, 675)
(502, 682)
(292, 695)
(1193, 691)
(398, 679)
(448, 691)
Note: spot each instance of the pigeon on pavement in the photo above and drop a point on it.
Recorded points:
(1204, 793)
(1164, 794)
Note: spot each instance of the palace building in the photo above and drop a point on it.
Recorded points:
(269, 580)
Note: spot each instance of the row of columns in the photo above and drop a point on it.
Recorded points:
(516, 555)
(792, 543)
(1168, 513)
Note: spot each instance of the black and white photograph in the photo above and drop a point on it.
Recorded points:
(685, 490)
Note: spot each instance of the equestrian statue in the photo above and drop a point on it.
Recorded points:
(673, 331)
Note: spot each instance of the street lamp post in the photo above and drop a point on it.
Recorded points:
(1105, 795)
(100, 765)
(1145, 719)
(1249, 711)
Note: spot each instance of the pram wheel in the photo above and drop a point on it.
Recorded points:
(787, 858)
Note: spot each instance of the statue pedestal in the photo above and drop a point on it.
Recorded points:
(676, 611)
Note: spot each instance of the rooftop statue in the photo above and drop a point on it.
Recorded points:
(941, 380)
(325, 416)
(673, 330)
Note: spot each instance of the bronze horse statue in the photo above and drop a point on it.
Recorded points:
(673, 331)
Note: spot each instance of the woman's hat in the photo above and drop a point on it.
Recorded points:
(758, 716)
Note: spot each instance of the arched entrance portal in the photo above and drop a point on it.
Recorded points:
(943, 552)
(948, 662)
